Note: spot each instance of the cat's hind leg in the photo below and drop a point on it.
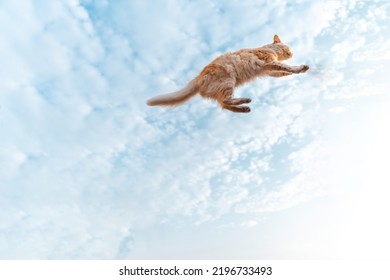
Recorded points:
(237, 109)
(226, 100)
(231, 104)
(223, 94)
(236, 101)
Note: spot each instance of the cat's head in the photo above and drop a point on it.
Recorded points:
(282, 50)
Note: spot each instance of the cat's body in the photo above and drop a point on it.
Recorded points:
(219, 78)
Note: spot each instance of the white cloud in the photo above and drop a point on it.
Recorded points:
(338, 109)
(308, 164)
(250, 223)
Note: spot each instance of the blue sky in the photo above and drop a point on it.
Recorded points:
(88, 171)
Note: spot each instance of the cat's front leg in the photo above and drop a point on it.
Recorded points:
(303, 68)
(279, 74)
(277, 66)
(298, 69)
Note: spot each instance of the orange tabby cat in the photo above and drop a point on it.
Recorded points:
(219, 78)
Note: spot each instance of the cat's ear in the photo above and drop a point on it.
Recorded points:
(276, 39)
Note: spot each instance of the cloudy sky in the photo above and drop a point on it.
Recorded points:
(88, 171)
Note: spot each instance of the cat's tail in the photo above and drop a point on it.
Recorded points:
(175, 98)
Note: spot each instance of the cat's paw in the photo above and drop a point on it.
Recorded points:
(303, 69)
(245, 109)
